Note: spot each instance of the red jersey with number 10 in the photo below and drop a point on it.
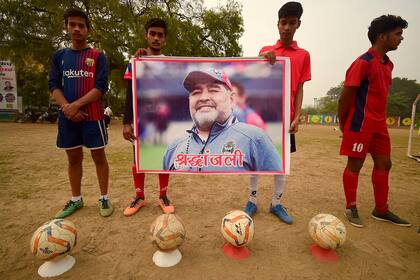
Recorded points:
(372, 75)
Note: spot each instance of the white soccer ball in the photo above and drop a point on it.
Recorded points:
(237, 228)
(53, 239)
(327, 231)
(168, 232)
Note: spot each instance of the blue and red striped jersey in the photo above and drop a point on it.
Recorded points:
(76, 72)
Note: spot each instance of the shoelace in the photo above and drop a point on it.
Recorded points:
(68, 204)
(136, 200)
(165, 201)
(104, 203)
(354, 212)
(281, 209)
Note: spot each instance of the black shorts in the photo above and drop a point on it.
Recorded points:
(292, 143)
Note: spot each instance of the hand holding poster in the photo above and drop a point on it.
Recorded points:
(211, 115)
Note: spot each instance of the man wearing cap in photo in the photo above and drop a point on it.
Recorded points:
(218, 142)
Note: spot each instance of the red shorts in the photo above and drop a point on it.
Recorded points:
(358, 144)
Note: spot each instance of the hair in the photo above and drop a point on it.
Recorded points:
(384, 24)
(76, 12)
(291, 9)
(240, 87)
(156, 22)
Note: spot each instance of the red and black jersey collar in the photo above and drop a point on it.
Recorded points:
(384, 59)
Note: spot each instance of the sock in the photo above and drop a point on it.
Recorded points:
(76, 198)
(380, 189)
(105, 197)
(350, 181)
(163, 184)
(253, 188)
(138, 182)
(279, 182)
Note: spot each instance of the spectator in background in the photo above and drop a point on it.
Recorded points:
(107, 116)
(242, 111)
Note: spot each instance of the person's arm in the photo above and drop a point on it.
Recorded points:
(71, 109)
(100, 88)
(55, 78)
(55, 86)
(58, 96)
(128, 131)
(344, 105)
(142, 52)
(305, 75)
(356, 73)
(270, 56)
(294, 125)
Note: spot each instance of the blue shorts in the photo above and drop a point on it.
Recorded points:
(91, 134)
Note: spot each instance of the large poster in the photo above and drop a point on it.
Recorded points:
(8, 92)
(211, 115)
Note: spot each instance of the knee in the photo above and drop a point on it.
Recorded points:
(385, 165)
(354, 166)
(75, 159)
(99, 158)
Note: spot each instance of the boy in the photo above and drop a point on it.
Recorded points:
(155, 36)
(289, 21)
(77, 80)
(362, 116)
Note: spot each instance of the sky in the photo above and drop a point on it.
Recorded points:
(335, 34)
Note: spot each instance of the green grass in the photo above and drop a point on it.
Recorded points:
(151, 157)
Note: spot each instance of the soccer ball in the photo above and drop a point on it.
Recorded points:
(237, 228)
(54, 238)
(168, 232)
(327, 231)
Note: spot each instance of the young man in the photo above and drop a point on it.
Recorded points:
(155, 36)
(362, 115)
(77, 80)
(289, 21)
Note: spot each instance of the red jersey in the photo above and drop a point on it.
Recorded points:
(372, 75)
(300, 64)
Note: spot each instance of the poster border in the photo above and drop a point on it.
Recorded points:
(285, 101)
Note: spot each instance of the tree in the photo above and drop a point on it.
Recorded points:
(335, 92)
(33, 29)
(402, 94)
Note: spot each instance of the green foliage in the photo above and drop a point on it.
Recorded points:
(402, 94)
(334, 93)
(33, 29)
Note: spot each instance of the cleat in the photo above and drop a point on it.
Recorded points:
(69, 208)
(250, 208)
(281, 213)
(390, 217)
(166, 205)
(105, 207)
(353, 216)
(136, 204)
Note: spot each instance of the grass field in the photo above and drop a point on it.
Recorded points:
(34, 186)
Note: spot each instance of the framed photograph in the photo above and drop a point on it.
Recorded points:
(211, 115)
